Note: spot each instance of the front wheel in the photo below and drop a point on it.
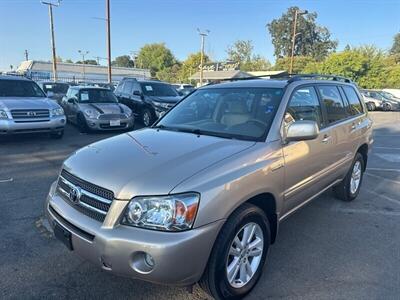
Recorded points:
(387, 107)
(147, 117)
(349, 188)
(371, 106)
(239, 254)
(82, 124)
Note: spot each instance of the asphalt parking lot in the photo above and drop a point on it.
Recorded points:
(328, 250)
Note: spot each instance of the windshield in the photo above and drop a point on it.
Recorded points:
(20, 88)
(241, 113)
(97, 96)
(158, 89)
(387, 95)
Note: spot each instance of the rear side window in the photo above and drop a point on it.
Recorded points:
(120, 87)
(304, 105)
(333, 102)
(356, 107)
(128, 86)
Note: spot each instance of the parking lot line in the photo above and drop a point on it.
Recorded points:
(383, 178)
(6, 180)
(383, 169)
(383, 196)
(388, 148)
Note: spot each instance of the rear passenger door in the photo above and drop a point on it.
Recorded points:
(306, 161)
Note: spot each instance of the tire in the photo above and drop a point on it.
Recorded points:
(215, 280)
(387, 106)
(147, 117)
(82, 125)
(344, 190)
(57, 135)
(371, 106)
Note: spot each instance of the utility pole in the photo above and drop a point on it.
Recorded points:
(108, 40)
(202, 36)
(83, 53)
(26, 55)
(296, 14)
(53, 43)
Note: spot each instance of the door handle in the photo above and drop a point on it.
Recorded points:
(353, 126)
(326, 139)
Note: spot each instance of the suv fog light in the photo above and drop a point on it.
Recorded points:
(149, 260)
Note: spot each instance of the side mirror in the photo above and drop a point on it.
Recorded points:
(137, 93)
(302, 131)
(50, 94)
(71, 100)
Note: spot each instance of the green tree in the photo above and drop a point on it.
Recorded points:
(242, 52)
(123, 61)
(170, 74)
(190, 66)
(396, 45)
(301, 64)
(69, 61)
(312, 39)
(88, 62)
(155, 57)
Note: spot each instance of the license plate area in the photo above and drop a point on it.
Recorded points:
(115, 123)
(63, 235)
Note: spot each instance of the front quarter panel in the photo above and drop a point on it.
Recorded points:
(233, 181)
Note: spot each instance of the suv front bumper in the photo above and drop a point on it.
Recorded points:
(10, 127)
(179, 257)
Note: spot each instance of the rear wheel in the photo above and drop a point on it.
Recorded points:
(239, 254)
(349, 188)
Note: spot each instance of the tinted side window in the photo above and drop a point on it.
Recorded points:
(335, 108)
(128, 86)
(120, 87)
(355, 104)
(304, 105)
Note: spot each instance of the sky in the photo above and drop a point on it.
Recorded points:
(79, 24)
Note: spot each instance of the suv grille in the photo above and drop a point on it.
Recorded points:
(30, 115)
(94, 201)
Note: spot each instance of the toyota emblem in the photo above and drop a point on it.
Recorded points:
(75, 194)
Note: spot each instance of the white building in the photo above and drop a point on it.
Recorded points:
(41, 70)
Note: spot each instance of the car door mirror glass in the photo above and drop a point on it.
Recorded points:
(302, 131)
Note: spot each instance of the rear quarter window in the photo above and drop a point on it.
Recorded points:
(355, 105)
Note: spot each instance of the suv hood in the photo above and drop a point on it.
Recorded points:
(171, 99)
(9, 103)
(149, 161)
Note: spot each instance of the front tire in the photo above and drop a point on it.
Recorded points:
(371, 106)
(387, 106)
(239, 254)
(82, 124)
(147, 117)
(349, 188)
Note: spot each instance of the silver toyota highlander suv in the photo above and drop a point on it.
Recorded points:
(24, 108)
(198, 197)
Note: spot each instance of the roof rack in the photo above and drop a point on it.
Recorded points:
(296, 77)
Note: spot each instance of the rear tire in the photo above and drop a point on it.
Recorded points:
(82, 124)
(349, 188)
(229, 254)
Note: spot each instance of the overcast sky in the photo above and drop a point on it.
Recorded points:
(24, 24)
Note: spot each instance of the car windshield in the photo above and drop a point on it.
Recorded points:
(97, 96)
(20, 88)
(158, 89)
(387, 95)
(239, 113)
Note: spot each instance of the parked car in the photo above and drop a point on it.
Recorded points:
(371, 103)
(388, 101)
(198, 197)
(24, 108)
(54, 90)
(93, 108)
(149, 99)
(394, 92)
(183, 89)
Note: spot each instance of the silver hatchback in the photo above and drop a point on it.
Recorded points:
(198, 197)
(95, 108)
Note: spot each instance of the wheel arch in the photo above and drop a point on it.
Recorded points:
(363, 150)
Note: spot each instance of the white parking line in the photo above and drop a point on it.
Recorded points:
(383, 178)
(387, 148)
(6, 180)
(368, 212)
(384, 197)
(383, 169)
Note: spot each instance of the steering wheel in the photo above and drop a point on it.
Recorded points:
(257, 122)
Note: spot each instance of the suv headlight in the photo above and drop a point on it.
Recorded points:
(92, 113)
(57, 112)
(167, 213)
(161, 104)
(3, 115)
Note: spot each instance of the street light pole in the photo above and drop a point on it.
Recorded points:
(202, 36)
(108, 41)
(83, 53)
(296, 14)
(53, 43)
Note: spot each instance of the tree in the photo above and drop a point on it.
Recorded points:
(312, 39)
(155, 57)
(300, 64)
(242, 52)
(88, 62)
(170, 74)
(395, 50)
(69, 61)
(190, 66)
(123, 61)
